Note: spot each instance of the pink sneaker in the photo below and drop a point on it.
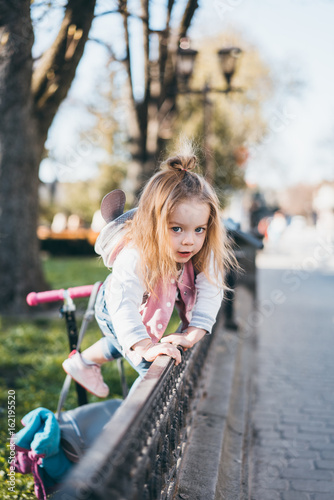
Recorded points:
(89, 376)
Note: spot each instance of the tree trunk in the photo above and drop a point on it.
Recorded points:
(20, 267)
(56, 70)
(28, 104)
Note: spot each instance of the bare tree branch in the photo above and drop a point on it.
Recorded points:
(143, 107)
(146, 42)
(169, 11)
(106, 46)
(107, 12)
(167, 70)
(187, 17)
(163, 43)
(56, 69)
(123, 11)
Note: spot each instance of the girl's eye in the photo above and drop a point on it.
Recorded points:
(176, 229)
(200, 230)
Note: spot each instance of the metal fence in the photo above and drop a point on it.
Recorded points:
(137, 455)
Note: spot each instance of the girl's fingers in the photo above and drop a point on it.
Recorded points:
(176, 340)
(170, 339)
(167, 349)
(173, 352)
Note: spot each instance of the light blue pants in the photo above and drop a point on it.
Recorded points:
(110, 346)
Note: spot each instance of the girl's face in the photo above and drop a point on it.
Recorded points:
(187, 227)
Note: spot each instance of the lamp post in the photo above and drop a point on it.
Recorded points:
(229, 58)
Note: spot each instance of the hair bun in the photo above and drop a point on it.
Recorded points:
(180, 162)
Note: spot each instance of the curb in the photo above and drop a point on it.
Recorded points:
(214, 462)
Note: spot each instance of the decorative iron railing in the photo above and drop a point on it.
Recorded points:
(137, 455)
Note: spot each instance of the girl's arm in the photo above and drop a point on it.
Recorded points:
(208, 300)
(124, 294)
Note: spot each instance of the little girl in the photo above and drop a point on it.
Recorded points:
(171, 250)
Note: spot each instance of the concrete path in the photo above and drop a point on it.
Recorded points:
(292, 415)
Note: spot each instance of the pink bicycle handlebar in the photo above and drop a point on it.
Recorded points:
(33, 298)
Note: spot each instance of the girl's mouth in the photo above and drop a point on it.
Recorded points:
(184, 254)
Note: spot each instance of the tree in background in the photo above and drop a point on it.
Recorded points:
(149, 112)
(30, 98)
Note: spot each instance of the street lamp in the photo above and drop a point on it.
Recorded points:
(228, 59)
(185, 63)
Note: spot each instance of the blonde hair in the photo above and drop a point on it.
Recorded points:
(148, 230)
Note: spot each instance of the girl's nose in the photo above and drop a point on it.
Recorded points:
(188, 239)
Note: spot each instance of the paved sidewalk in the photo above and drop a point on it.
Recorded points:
(292, 449)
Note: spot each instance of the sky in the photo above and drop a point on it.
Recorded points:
(298, 33)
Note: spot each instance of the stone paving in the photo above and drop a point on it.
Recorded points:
(292, 451)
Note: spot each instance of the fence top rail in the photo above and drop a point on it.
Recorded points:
(151, 407)
(131, 412)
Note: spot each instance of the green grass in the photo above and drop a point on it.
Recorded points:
(31, 353)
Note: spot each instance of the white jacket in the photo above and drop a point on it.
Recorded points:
(124, 292)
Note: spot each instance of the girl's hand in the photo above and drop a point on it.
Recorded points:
(149, 351)
(187, 339)
(167, 349)
(178, 339)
